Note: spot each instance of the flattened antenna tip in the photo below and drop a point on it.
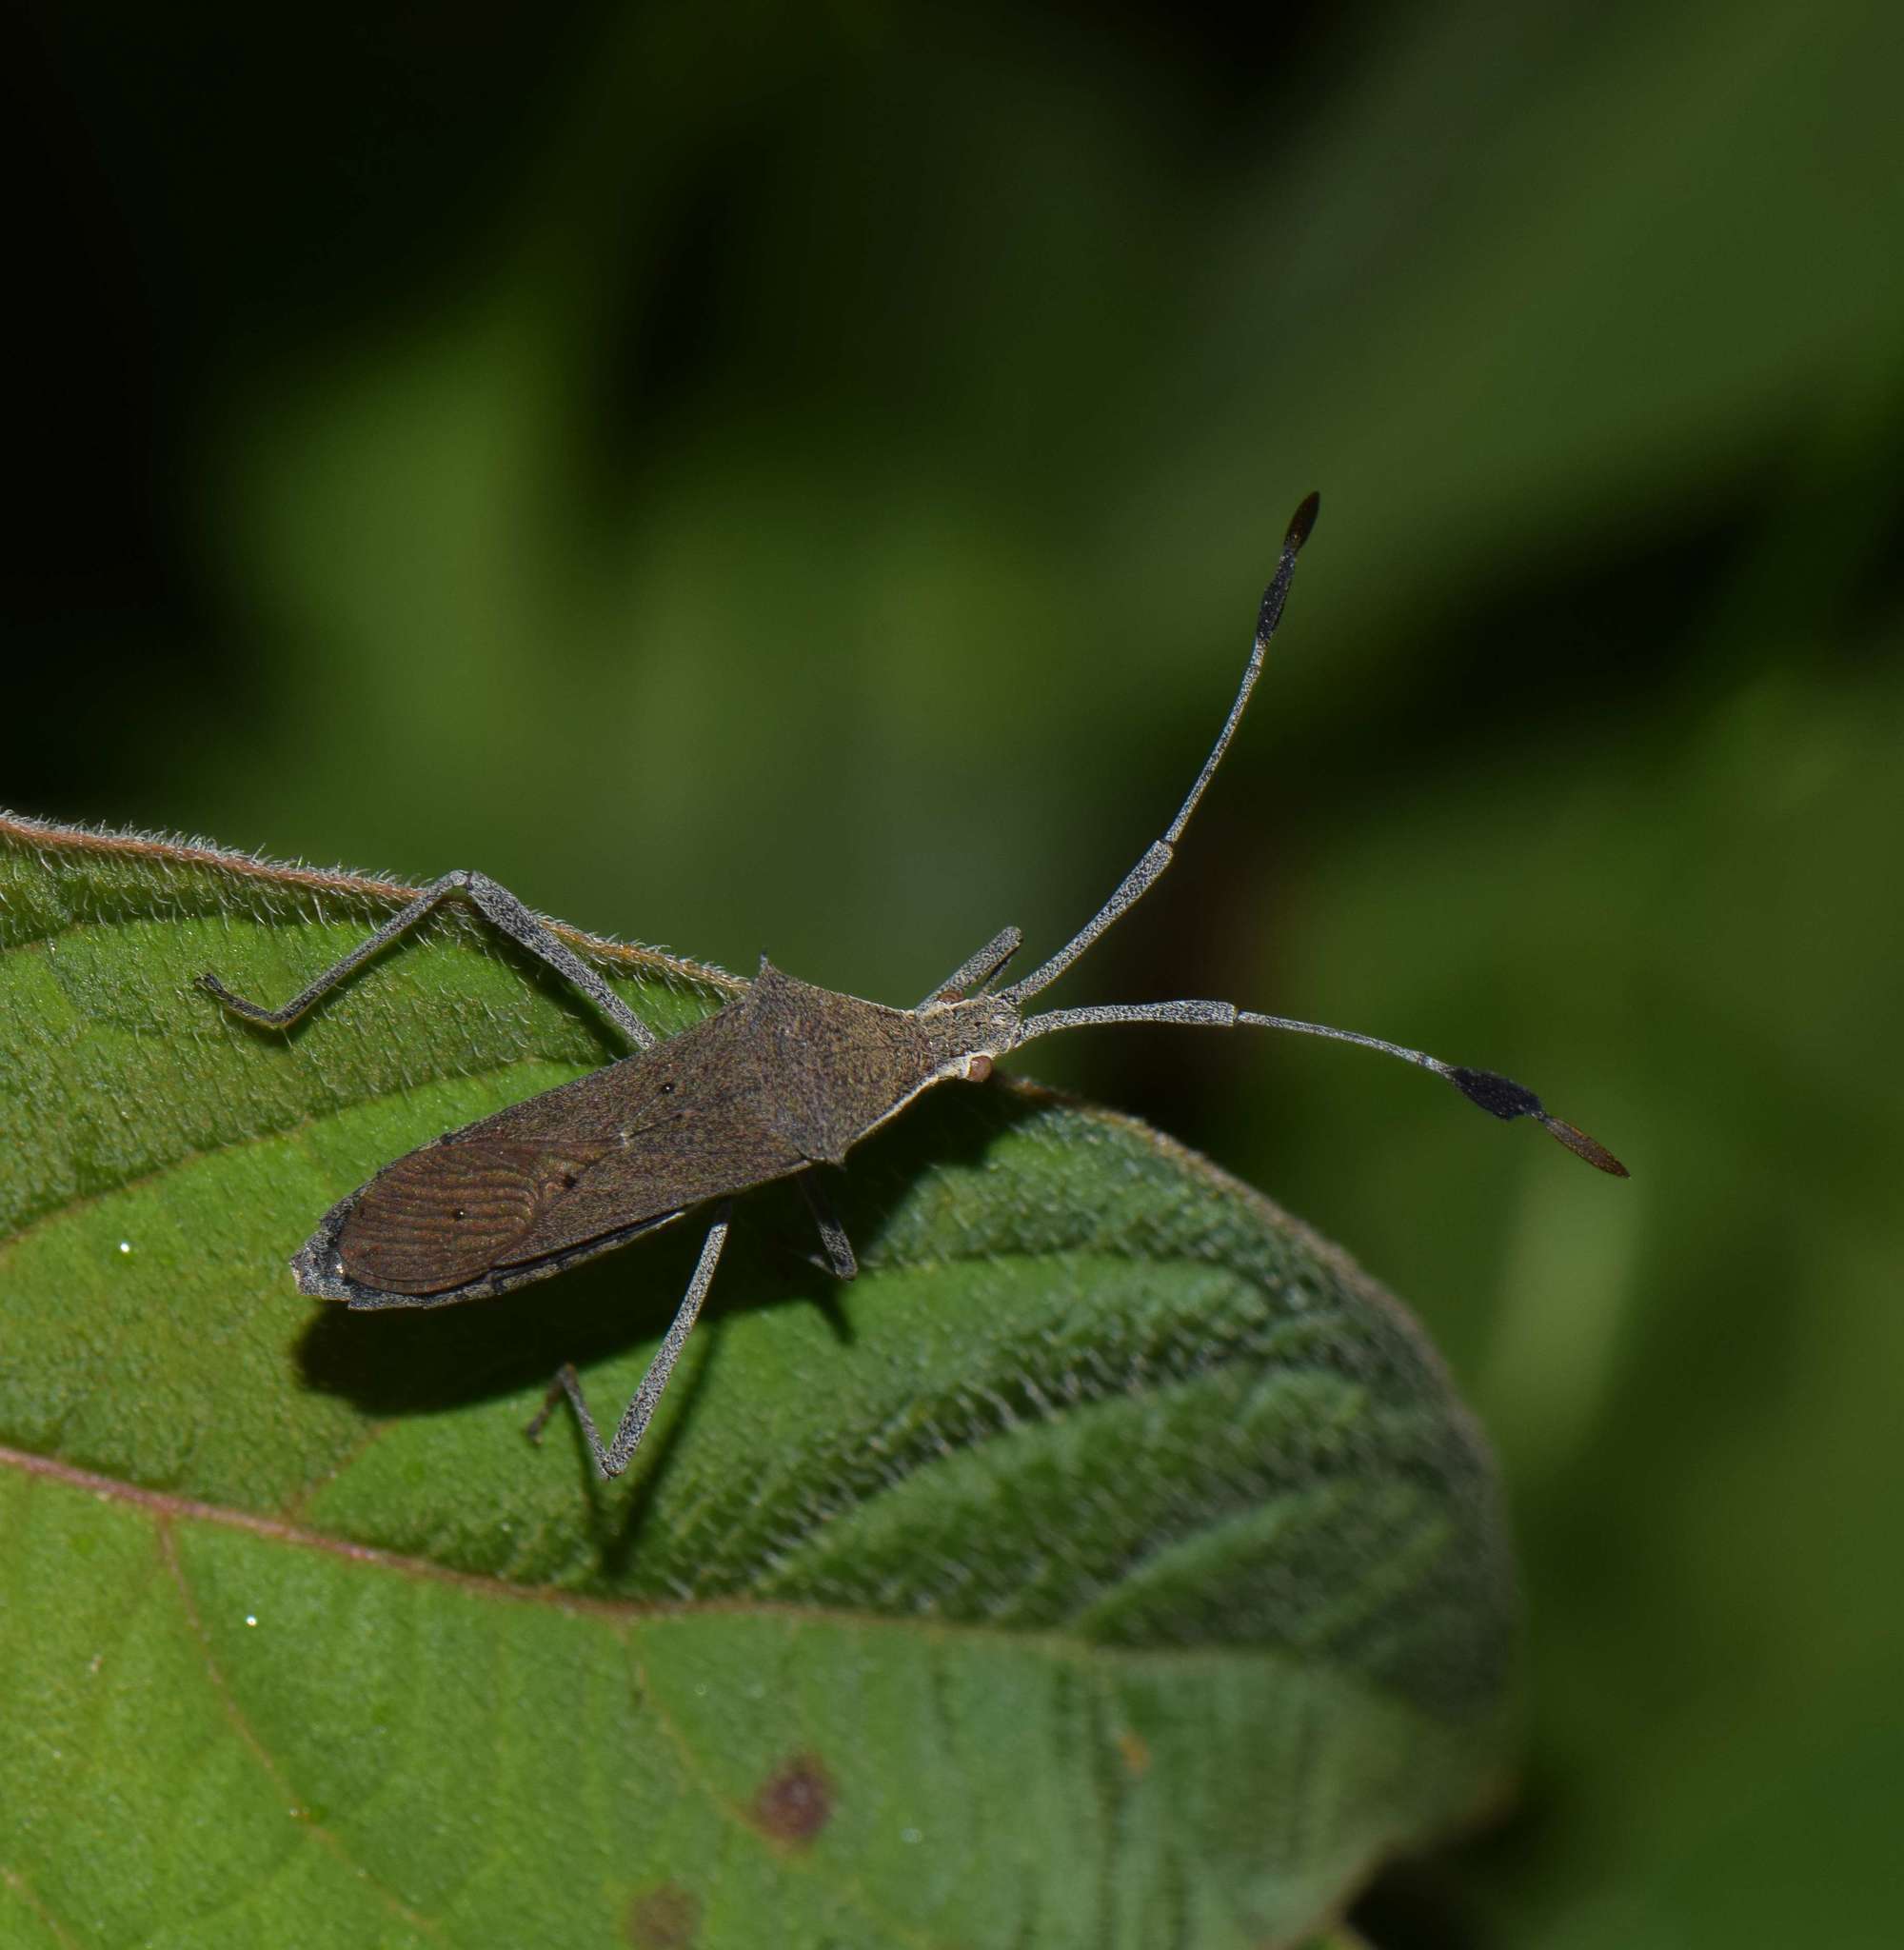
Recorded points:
(1578, 1141)
(1301, 522)
(1277, 593)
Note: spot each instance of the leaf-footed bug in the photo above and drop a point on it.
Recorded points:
(780, 1081)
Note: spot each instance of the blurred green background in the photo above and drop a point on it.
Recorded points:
(801, 479)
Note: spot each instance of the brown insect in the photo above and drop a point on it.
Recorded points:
(785, 1080)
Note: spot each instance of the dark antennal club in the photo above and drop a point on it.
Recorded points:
(1503, 1098)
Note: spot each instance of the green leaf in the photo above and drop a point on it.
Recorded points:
(1111, 1564)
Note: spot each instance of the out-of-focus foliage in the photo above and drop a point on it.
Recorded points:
(755, 480)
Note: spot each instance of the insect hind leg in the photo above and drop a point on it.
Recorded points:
(498, 906)
(614, 1458)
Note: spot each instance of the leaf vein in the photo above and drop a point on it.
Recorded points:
(221, 1686)
(31, 1897)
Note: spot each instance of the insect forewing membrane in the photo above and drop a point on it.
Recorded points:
(450, 1211)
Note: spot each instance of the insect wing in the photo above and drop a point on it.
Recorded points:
(692, 1157)
(627, 1144)
(453, 1209)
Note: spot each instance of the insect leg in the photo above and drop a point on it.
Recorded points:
(973, 974)
(615, 1457)
(839, 1258)
(1497, 1095)
(503, 912)
(1138, 881)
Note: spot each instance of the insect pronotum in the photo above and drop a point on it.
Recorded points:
(785, 1080)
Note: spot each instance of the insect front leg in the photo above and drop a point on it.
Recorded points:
(615, 1457)
(972, 975)
(503, 912)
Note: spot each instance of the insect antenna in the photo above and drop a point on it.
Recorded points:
(1142, 877)
(1499, 1096)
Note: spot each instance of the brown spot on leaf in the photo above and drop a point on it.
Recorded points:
(795, 1801)
(663, 1918)
(1135, 1752)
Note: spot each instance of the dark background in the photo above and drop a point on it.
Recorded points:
(802, 479)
